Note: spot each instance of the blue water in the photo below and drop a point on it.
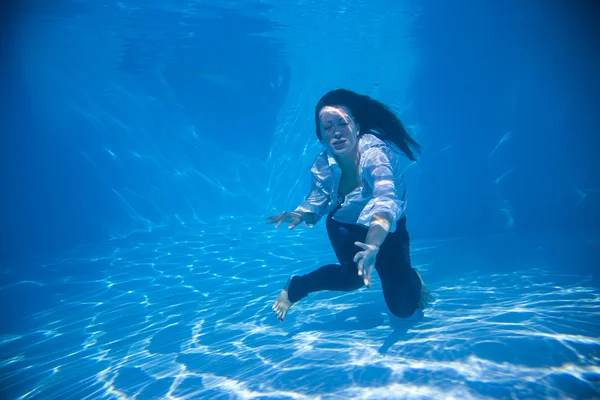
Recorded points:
(188, 315)
(145, 142)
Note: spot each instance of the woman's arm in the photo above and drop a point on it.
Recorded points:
(316, 203)
(378, 230)
(387, 203)
(309, 218)
(365, 259)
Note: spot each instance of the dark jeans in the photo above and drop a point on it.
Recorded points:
(400, 283)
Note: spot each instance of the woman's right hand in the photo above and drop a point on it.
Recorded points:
(293, 217)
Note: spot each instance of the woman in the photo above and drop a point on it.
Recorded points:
(357, 182)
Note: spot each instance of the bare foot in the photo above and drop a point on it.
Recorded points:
(282, 302)
(426, 298)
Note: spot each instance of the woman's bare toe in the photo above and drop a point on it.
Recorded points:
(282, 303)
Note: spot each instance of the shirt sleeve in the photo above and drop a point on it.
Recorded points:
(381, 169)
(316, 201)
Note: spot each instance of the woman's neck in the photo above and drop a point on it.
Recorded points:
(349, 162)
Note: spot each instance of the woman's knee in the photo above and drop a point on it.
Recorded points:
(403, 301)
(404, 312)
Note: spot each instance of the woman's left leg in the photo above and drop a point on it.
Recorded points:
(400, 283)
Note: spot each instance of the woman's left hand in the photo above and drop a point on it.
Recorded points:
(366, 261)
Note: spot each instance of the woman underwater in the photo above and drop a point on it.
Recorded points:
(358, 183)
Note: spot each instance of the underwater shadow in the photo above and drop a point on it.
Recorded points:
(364, 317)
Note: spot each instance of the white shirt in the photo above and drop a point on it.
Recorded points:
(382, 189)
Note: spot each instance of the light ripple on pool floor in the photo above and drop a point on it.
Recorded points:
(188, 315)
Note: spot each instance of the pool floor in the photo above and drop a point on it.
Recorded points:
(185, 313)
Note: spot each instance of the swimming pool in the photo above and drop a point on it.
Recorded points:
(148, 140)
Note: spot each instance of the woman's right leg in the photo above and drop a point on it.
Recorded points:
(337, 277)
(329, 277)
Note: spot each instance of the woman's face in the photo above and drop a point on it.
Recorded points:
(338, 130)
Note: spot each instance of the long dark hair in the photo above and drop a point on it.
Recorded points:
(372, 116)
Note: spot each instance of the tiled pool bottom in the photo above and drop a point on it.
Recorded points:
(185, 313)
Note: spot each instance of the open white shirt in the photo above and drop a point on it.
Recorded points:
(382, 190)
